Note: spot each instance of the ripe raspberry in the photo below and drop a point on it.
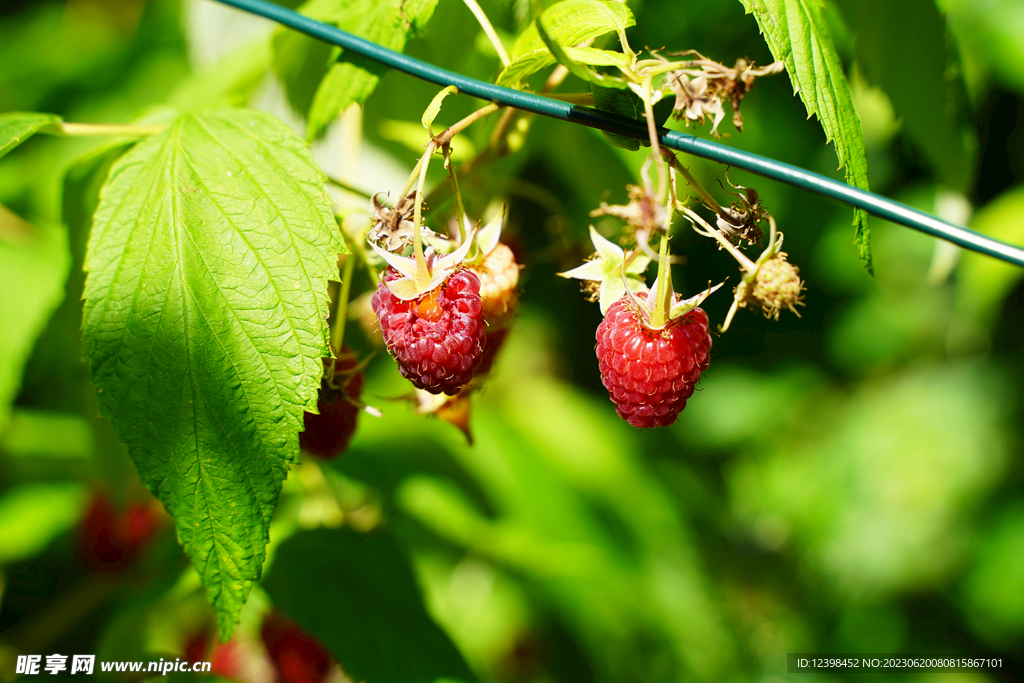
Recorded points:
(327, 435)
(437, 339)
(649, 374)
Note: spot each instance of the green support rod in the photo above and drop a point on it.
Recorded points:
(875, 204)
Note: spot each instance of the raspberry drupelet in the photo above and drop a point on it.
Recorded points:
(436, 339)
(650, 373)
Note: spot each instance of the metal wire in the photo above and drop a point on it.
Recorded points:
(874, 204)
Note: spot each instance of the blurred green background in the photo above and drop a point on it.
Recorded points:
(846, 481)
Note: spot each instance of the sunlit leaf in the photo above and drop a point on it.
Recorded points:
(16, 127)
(797, 34)
(204, 326)
(568, 23)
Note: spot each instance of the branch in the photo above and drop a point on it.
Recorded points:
(874, 204)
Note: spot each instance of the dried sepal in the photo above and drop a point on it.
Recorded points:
(703, 86)
(393, 226)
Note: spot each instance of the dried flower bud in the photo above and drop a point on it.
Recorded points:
(777, 286)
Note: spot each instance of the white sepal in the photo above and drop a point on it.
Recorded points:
(404, 265)
(681, 308)
(487, 237)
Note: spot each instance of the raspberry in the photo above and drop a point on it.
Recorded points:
(297, 655)
(327, 435)
(110, 541)
(649, 374)
(437, 339)
(499, 275)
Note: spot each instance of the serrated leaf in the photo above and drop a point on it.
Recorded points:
(797, 34)
(356, 593)
(435, 107)
(204, 326)
(325, 83)
(568, 23)
(18, 126)
(577, 59)
(34, 265)
(572, 22)
(927, 89)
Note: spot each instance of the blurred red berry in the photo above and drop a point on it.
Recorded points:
(108, 541)
(327, 435)
(297, 655)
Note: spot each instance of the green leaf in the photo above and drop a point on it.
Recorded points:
(575, 60)
(204, 326)
(33, 269)
(356, 593)
(326, 82)
(627, 103)
(926, 89)
(16, 127)
(572, 22)
(435, 107)
(31, 516)
(567, 23)
(797, 34)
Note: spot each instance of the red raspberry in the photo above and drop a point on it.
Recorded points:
(110, 541)
(438, 338)
(298, 656)
(649, 373)
(327, 435)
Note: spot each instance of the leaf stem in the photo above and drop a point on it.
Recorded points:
(341, 184)
(488, 28)
(422, 274)
(697, 187)
(652, 131)
(451, 131)
(460, 209)
(341, 312)
(95, 129)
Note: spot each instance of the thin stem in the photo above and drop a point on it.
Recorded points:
(659, 315)
(422, 274)
(95, 129)
(709, 231)
(492, 35)
(341, 312)
(652, 130)
(878, 205)
(460, 209)
(348, 188)
(697, 187)
(451, 131)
